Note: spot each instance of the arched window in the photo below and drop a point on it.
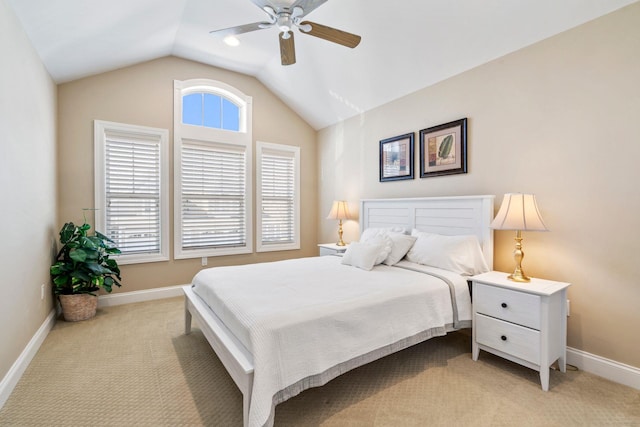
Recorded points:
(210, 110)
(213, 198)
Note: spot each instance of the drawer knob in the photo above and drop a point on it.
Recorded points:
(503, 305)
(503, 338)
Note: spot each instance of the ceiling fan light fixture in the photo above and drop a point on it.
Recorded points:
(284, 22)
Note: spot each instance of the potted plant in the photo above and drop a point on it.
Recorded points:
(83, 267)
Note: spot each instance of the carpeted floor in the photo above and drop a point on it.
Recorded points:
(132, 366)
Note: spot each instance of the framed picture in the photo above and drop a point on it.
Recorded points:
(443, 149)
(396, 158)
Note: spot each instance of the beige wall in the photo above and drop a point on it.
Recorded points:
(558, 119)
(27, 188)
(143, 95)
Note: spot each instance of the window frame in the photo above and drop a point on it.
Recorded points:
(241, 139)
(101, 130)
(288, 151)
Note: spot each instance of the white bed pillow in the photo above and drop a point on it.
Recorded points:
(460, 254)
(373, 232)
(401, 245)
(396, 237)
(365, 255)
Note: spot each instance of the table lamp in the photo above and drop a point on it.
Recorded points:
(339, 211)
(519, 212)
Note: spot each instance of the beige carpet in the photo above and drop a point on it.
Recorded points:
(132, 366)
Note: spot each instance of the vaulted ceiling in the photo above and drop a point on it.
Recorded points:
(406, 45)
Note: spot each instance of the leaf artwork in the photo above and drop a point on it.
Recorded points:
(445, 147)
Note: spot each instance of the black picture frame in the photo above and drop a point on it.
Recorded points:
(443, 149)
(396, 158)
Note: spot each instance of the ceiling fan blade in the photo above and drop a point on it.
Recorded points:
(266, 6)
(287, 49)
(261, 3)
(241, 29)
(307, 6)
(331, 34)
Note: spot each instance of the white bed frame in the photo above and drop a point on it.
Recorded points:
(443, 215)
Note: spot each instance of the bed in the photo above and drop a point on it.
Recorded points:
(280, 328)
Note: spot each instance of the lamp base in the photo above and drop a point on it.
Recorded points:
(518, 275)
(340, 241)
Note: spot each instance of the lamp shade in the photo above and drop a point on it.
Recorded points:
(519, 212)
(339, 210)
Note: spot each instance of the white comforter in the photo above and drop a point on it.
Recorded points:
(307, 320)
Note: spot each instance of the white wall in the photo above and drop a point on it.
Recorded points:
(559, 119)
(27, 188)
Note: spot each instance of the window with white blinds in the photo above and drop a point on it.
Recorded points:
(213, 176)
(278, 197)
(213, 196)
(131, 189)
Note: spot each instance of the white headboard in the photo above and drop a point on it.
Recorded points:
(442, 215)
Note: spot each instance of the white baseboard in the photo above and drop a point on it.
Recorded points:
(139, 296)
(10, 380)
(610, 369)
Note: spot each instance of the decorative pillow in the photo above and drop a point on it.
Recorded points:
(364, 255)
(393, 237)
(401, 245)
(460, 254)
(386, 243)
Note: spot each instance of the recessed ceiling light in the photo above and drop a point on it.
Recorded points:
(232, 41)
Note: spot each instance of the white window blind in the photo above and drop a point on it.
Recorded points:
(278, 188)
(213, 196)
(277, 199)
(131, 194)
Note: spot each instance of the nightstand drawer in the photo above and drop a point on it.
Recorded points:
(508, 338)
(505, 304)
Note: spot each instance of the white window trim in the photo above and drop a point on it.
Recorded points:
(260, 148)
(242, 138)
(101, 128)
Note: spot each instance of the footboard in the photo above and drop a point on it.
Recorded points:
(236, 359)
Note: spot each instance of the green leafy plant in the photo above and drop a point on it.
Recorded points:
(83, 265)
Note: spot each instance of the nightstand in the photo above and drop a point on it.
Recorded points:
(522, 322)
(331, 249)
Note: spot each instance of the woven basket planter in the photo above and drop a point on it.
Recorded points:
(78, 307)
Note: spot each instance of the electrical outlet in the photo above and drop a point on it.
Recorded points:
(568, 308)
(42, 292)
(204, 261)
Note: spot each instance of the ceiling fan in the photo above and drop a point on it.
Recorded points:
(287, 15)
